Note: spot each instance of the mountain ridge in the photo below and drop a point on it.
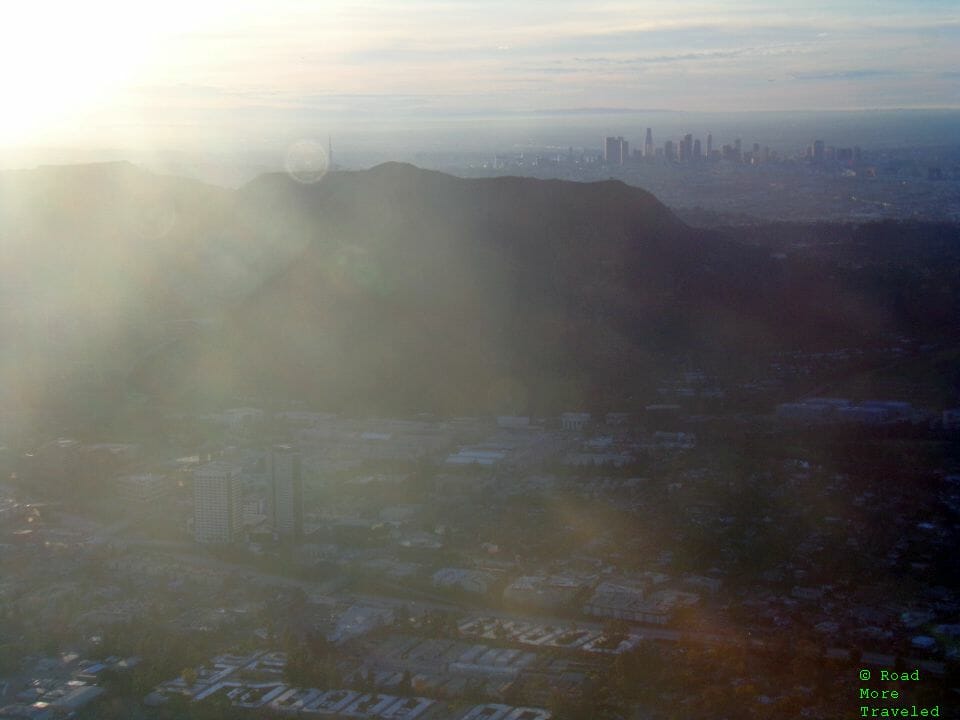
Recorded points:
(399, 289)
(537, 294)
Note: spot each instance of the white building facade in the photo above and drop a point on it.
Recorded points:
(217, 503)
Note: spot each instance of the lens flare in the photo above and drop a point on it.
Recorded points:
(307, 161)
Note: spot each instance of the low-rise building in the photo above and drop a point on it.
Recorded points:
(575, 421)
(142, 490)
(476, 456)
(951, 419)
(513, 422)
(359, 620)
(544, 591)
(615, 600)
(473, 581)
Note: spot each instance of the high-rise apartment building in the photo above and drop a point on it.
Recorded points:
(648, 144)
(217, 503)
(286, 490)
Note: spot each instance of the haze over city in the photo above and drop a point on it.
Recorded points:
(479, 360)
(185, 75)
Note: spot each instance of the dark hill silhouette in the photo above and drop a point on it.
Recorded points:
(399, 289)
(420, 291)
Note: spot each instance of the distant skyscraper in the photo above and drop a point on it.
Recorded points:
(669, 150)
(697, 150)
(648, 144)
(217, 503)
(687, 151)
(818, 150)
(709, 144)
(615, 151)
(286, 488)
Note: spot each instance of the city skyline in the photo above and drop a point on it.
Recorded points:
(185, 74)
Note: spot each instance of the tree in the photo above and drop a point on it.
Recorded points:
(364, 681)
(216, 707)
(401, 616)
(560, 705)
(320, 647)
(11, 656)
(297, 671)
(405, 687)
(331, 675)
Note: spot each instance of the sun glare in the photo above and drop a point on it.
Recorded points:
(62, 60)
(58, 60)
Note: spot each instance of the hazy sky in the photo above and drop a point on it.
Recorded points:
(177, 71)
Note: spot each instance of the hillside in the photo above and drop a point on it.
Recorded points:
(420, 291)
(402, 290)
(105, 263)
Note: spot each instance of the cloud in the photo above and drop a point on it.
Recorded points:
(545, 70)
(658, 59)
(387, 60)
(847, 74)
